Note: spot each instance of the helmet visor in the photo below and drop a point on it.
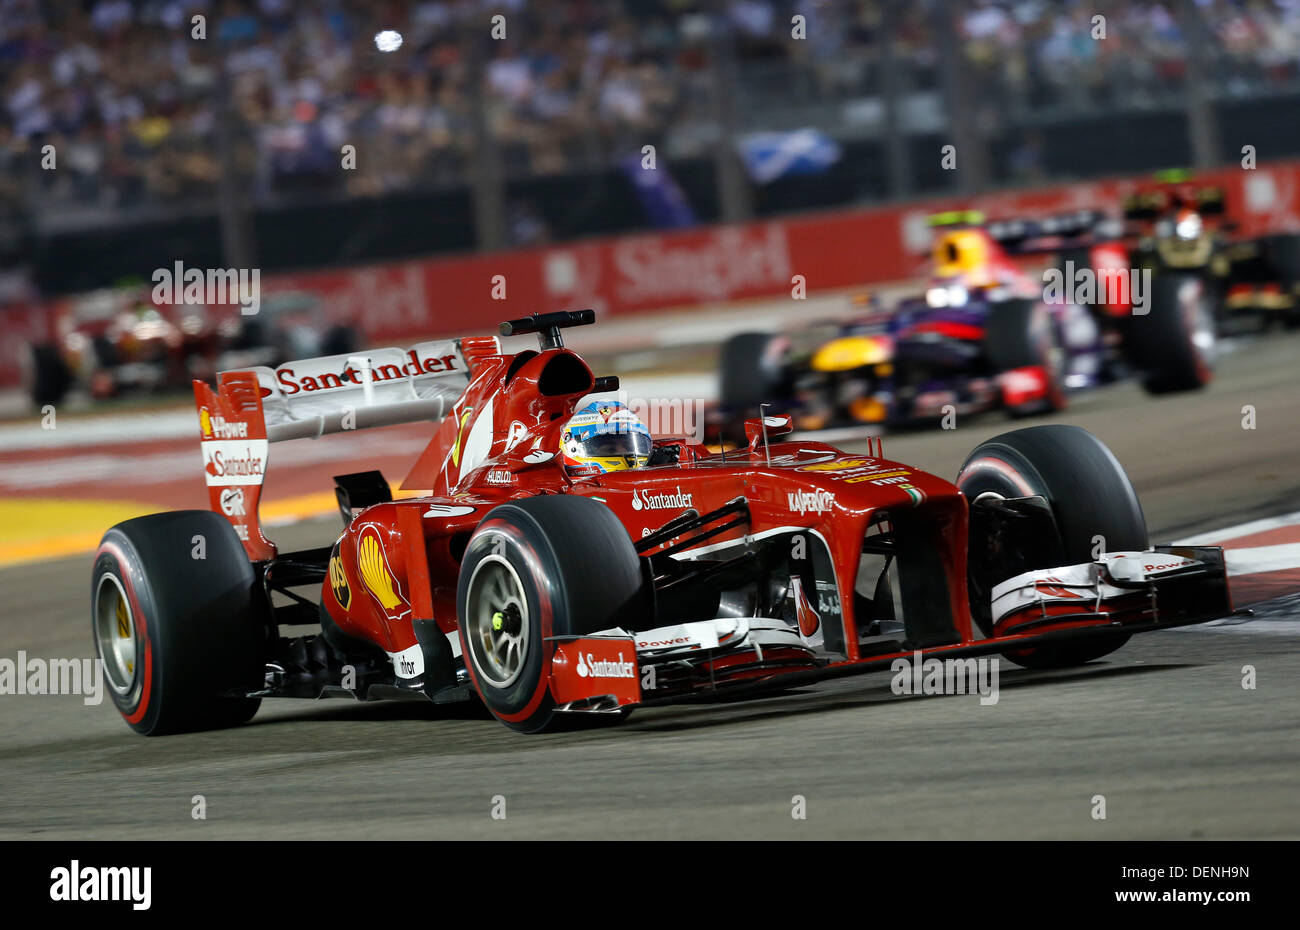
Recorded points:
(605, 445)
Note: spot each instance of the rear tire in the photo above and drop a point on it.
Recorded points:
(50, 375)
(1282, 252)
(556, 565)
(340, 340)
(177, 633)
(1172, 344)
(1089, 494)
(753, 372)
(1022, 334)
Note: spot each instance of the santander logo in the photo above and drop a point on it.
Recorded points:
(591, 667)
(646, 500)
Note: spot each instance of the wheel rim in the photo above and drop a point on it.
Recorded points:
(497, 622)
(115, 635)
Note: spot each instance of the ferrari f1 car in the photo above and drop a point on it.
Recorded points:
(118, 341)
(548, 597)
(984, 335)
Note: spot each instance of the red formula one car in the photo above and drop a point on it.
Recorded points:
(548, 596)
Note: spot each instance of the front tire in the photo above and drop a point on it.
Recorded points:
(175, 624)
(535, 569)
(1089, 494)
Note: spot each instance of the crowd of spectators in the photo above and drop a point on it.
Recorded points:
(1134, 52)
(145, 103)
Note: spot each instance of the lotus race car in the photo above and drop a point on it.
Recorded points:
(1179, 226)
(551, 598)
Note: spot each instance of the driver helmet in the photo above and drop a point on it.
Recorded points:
(604, 436)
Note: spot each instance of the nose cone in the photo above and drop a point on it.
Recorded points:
(863, 484)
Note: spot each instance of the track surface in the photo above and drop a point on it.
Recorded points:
(1163, 729)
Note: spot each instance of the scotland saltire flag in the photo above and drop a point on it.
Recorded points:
(772, 155)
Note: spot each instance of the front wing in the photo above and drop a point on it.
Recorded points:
(1130, 592)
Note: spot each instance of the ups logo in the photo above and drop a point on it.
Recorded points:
(339, 582)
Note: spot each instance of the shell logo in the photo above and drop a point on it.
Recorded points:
(837, 465)
(377, 576)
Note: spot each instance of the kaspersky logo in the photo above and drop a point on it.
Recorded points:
(802, 502)
(591, 667)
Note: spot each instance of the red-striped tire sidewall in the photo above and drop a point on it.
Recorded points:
(528, 705)
(116, 556)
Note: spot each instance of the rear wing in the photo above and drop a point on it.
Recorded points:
(1176, 190)
(1077, 228)
(309, 398)
(1033, 236)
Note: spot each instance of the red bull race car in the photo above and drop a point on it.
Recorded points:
(557, 564)
(985, 334)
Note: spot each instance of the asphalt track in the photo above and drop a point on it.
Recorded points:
(1163, 729)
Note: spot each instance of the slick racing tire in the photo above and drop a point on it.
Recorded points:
(1022, 334)
(538, 568)
(1089, 495)
(340, 340)
(1282, 252)
(1173, 343)
(49, 377)
(175, 624)
(753, 371)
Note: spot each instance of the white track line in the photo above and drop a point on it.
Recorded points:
(1263, 559)
(1215, 537)
(1251, 560)
(1239, 625)
(100, 430)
